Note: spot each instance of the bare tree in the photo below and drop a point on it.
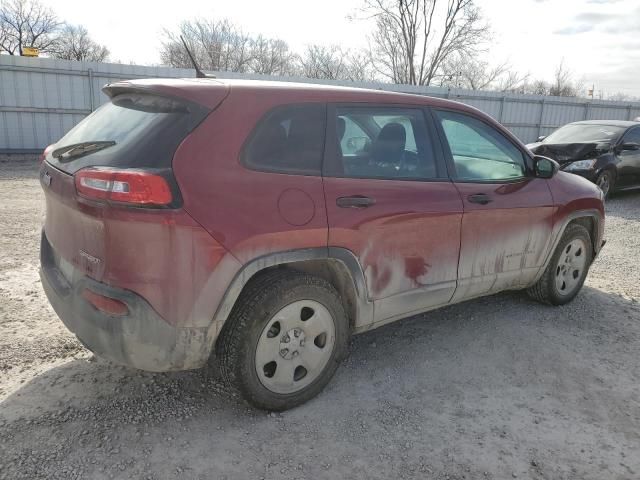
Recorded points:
(4, 37)
(271, 57)
(622, 97)
(563, 83)
(221, 46)
(74, 43)
(479, 74)
(359, 67)
(513, 81)
(174, 54)
(469, 73)
(26, 23)
(538, 87)
(413, 38)
(322, 62)
(335, 63)
(216, 44)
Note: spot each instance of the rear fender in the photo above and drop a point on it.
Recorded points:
(362, 312)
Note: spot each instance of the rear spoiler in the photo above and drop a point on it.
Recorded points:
(206, 92)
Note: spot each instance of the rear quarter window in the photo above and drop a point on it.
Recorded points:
(289, 139)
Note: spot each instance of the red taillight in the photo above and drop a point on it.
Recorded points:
(44, 154)
(126, 186)
(107, 305)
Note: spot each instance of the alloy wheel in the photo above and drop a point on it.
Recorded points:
(604, 182)
(571, 266)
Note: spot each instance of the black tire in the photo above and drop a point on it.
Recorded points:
(606, 178)
(261, 299)
(546, 289)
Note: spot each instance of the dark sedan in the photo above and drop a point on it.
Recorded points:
(607, 152)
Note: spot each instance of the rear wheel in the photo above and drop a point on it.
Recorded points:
(605, 181)
(567, 270)
(284, 339)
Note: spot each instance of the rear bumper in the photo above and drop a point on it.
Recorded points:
(141, 339)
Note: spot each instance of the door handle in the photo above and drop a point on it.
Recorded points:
(356, 201)
(481, 198)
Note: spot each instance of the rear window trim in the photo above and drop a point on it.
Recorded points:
(274, 169)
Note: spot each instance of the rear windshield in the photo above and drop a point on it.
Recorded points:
(131, 130)
(585, 134)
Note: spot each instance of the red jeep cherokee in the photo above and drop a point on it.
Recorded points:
(263, 223)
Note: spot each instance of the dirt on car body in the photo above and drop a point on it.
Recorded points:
(500, 387)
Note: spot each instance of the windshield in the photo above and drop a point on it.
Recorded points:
(585, 133)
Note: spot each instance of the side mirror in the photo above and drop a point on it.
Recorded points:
(628, 146)
(541, 137)
(545, 167)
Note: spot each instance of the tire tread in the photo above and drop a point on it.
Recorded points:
(249, 309)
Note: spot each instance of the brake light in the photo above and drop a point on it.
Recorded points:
(105, 304)
(126, 186)
(44, 154)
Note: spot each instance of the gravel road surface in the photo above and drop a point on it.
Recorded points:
(496, 388)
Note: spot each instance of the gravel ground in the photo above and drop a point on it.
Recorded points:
(496, 388)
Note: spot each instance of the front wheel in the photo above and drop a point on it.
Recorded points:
(567, 270)
(605, 181)
(284, 340)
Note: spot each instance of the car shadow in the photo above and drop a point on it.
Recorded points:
(502, 360)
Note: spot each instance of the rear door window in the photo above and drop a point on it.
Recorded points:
(383, 120)
(289, 139)
(383, 143)
(353, 138)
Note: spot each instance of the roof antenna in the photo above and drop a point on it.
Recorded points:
(199, 73)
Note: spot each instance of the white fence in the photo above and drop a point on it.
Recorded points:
(41, 99)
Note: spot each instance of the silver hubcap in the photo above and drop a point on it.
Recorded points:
(603, 183)
(570, 266)
(295, 346)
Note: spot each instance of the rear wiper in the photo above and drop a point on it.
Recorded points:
(82, 148)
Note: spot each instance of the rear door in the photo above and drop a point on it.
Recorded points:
(389, 201)
(508, 213)
(629, 160)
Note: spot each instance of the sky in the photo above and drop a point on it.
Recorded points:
(599, 40)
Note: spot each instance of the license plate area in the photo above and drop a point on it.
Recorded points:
(64, 268)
